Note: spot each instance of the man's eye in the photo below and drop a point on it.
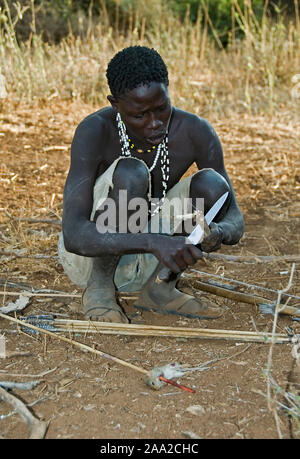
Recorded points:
(140, 115)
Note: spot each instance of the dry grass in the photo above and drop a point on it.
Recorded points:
(250, 75)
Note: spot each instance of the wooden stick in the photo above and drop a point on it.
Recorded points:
(58, 295)
(251, 259)
(33, 220)
(37, 220)
(234, 281)
(37, 428)
(10, 284)
(76, 343)
(56, 147)
(4, 253)
(40, 220)
(85, 326)
(44, 295)
(243, 297)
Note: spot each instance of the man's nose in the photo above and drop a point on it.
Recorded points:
(154, 122)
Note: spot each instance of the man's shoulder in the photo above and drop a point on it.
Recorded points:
(192, 123)
(94, 130)
(97, 122)
(190, 120)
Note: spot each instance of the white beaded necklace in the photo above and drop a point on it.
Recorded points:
(162, 152)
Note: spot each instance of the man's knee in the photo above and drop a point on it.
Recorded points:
(131, 175)
(208, 185)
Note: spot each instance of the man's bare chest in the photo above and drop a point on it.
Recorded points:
(180, 158)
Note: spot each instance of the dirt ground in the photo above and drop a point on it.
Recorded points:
(82, 395)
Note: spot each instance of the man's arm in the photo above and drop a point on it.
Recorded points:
(229, 228)
(81, 235)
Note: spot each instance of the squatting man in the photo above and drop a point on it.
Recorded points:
(142, 145)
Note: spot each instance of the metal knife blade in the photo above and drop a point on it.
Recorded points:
(197, 234)
(195, 237)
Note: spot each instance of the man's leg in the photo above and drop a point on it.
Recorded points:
(209, 185)
(163, 296)
(99, 298)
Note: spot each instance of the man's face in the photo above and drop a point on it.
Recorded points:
(146, 112)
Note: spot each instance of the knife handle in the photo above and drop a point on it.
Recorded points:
(165, 275)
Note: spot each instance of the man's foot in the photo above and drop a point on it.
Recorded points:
(99, 298)
(164, 298)
(97, 304)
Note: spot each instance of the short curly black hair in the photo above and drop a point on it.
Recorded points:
(134, 66)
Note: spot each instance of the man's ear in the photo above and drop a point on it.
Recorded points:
(113, 102)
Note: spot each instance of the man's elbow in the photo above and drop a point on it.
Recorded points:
(237, 232)
(69, 244)
(235, 240)
(240, 229)
(72, 244)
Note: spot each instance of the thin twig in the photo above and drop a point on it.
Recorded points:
(33, 220)
(53, 294)
(37, 256)
(29, 405)
(13, 354)
(43, 295)
(237, 282)
(57, 148)
(30, 288)
(40, 375)
(37, 428)
(278, 309)
(243, 297)
(252, 259)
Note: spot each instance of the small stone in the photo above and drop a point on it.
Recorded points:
(197, 410)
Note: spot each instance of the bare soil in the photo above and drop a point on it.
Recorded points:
(85, 396)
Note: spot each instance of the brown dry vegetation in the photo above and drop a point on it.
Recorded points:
(243, 394)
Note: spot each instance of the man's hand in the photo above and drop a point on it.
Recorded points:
(176, 253)
(214, 240)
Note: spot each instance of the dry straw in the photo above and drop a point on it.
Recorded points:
(258, 68)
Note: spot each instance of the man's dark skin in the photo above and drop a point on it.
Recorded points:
(146, 112)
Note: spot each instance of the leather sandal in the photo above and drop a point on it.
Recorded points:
(184, 305)
(94, 305)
